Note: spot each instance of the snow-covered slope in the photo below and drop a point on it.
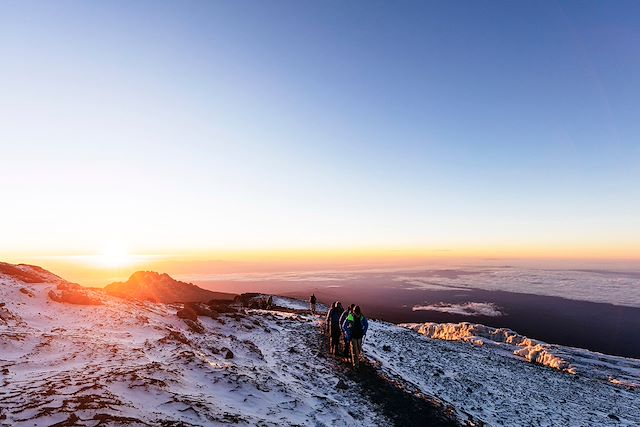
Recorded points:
(474, 368)
(124, 362)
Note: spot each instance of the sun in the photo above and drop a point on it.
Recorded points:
(114, 255)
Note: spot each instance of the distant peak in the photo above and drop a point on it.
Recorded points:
(160, 287)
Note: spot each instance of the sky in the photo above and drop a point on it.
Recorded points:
(238, 128)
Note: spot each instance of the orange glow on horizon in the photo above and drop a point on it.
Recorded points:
(116, 263)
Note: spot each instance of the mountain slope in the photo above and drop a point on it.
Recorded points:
(484, 380)
(28, 273)
(152, 286)
(135, 362)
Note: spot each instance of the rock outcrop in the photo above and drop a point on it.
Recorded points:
(155, 287)
(73, 294)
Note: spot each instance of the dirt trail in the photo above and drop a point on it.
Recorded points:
(405, 407)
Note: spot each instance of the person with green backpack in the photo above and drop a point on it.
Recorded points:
(355, 328)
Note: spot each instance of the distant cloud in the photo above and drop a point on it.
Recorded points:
(466, 309)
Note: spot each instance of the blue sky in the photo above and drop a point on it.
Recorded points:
(211, 125)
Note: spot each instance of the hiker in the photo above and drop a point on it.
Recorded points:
(333, 326)
(355, 328)
(343, 318)
(312, 303)
(270, 302)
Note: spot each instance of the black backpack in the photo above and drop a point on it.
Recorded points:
(356, 328)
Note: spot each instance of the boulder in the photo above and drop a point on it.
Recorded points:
(187, 313)
(221, 306)
(202, 309)
(73, 294)
(246, 298)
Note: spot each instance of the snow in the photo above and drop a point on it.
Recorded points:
(296, 304)
(141, 362)
(474, 369)
(290, 303)
(137, 362)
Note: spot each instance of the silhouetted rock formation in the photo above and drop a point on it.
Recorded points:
(152, 286)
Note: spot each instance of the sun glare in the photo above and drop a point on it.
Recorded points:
(114, 255)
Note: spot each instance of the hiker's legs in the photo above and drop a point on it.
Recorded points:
(335, 341)
(313, 309)
(356, 348)
(347, 347)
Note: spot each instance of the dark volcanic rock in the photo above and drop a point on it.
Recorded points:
(202, 309)
(222, 306)
(195, 326)
(228, 354)
(187, 313)
(247, 298)
(175, 336)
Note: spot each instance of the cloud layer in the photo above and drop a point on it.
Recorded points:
(466, 309)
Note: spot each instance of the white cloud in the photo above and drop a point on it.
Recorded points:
(465, 309)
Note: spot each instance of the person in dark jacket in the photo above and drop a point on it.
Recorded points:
(355, 328)
(312, 303)
(343, 317)
(333, 326)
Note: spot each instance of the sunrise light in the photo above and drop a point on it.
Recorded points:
(113, 255)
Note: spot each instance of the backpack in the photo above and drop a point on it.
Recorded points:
(356, 328)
